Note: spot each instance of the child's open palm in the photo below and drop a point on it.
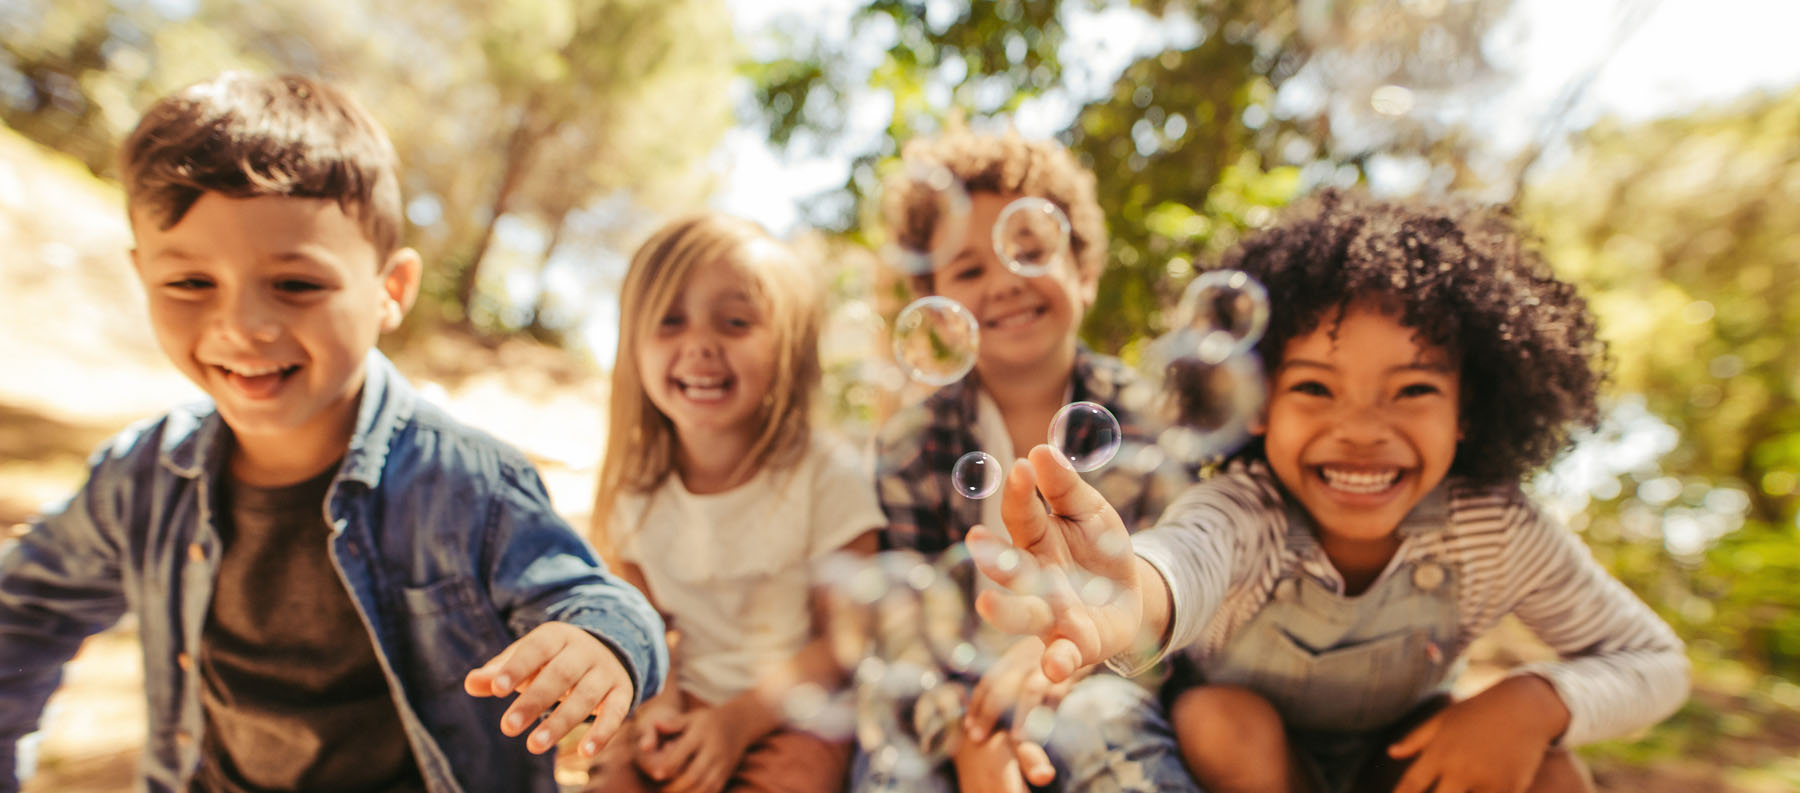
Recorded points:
(1073, 578)
(556, 662)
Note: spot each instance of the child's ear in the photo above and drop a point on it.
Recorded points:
(399, 286)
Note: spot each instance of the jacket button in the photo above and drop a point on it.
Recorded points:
(1428, 576)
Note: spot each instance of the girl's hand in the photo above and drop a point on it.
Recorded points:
(656, 721)
(703, 756)
(1073, 579)
(1493, 741)
(555, 662)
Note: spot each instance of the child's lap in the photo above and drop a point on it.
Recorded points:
(783, 760)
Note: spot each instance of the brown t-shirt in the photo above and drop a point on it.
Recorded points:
(293, 695)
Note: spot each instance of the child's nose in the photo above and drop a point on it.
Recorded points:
(247, 319)
(1362, 425)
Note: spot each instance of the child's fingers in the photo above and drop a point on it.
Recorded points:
(1062, 658)
(1034, 763)
(479, 682)
(1089, 540)
(669, 757)
(554, 681)
(1416, 739)
(1004, 563)
(1025, 519)
(580, 701)
(1015, 614)
(609, 717)
(506, 672)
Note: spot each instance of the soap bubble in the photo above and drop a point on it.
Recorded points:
(1203, 407)
(1030, 234)
(936, 340)
(938, 207)
(1086, 434)
(1225, 311)
(976, 475)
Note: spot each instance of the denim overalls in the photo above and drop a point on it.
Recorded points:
(1341, 670)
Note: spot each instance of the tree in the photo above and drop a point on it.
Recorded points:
(1684, 232)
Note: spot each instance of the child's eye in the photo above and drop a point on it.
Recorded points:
(188, 284)
(967, 273)
(1418, 389)
(297, 286)
(1310, 388)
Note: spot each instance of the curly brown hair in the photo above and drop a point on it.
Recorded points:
(1466, 278)
(1000, 164)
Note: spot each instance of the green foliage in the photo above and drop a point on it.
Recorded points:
(1684, 233)
(533, 109)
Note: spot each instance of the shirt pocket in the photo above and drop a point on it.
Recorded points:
(1364, 686)
(450, 629)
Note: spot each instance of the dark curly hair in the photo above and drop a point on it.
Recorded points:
(1466, 278)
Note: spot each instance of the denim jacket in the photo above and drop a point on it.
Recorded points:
(443, 536)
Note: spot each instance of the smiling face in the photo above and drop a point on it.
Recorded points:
(270, 305)
(1025, 322)
(708, 361)
(1362, 422)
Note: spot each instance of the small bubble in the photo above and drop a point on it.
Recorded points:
(936, 340)
(1086, 434)
(1039, 723)
(803, 703)
(1098, 592)
(1115, 544)
(1008, 560)
(976, 475)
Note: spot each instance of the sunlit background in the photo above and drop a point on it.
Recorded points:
(1654, 148)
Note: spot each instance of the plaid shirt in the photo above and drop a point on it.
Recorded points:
(919, 446)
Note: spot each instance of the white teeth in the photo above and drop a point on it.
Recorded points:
(1016, 318)
(1360, 481)
(252, 371)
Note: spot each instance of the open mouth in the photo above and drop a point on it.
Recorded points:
(1360, 480)
(704, 389)
(258, 381)
(1013, 319)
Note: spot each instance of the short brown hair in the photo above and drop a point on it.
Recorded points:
(1000, 164)
(243, 136)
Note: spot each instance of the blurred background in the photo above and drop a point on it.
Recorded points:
(1653, 147)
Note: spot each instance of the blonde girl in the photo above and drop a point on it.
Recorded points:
(714, 497)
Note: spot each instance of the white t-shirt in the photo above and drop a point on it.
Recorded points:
(732, 569)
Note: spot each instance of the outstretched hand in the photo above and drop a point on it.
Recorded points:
(1071, 577)
(555, 662)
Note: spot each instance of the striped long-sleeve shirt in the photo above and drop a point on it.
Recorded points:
(1224, 543)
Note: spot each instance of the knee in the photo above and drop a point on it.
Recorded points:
(1232, 718)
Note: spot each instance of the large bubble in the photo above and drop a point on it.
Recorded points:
(1086, 434)
(1227, 312)
(1203, 409)
(936, 207)
(936, 340)
(1030, 235)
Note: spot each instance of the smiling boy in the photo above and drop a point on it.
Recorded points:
(333, 580)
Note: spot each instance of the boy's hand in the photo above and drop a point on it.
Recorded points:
(557, 661)
(1493, 741)
(1014, 684)
(1073, 577)
(702, 754)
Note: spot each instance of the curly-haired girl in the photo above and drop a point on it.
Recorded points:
(1323, 587)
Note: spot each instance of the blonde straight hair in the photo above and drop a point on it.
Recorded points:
(640, 442)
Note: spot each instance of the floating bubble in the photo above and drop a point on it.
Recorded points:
(936, 208)
(1204, 407)
(976, 475)
(1086, 434)
(1030, 235)
(936, 340)
(1225, 312)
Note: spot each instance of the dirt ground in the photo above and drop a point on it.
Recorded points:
(81, 365)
